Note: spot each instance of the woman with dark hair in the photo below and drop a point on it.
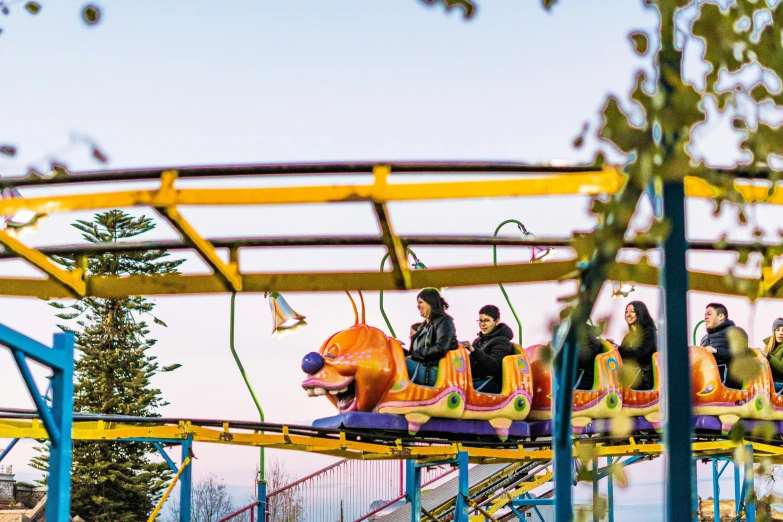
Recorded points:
(640, 344)
(774, 352)
(433, 339)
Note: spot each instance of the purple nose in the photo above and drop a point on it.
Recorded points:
(312, 363)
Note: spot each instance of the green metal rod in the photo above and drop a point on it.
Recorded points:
(694, 331)
(261, 479)
(502, 288)
(380, 299)
(380, 296)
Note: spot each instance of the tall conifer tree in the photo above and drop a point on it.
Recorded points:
(115, 481)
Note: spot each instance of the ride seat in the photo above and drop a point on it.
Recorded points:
(508, 359)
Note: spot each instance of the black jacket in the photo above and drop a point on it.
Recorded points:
(433, 341)
(640, 349)
(589, 347)
(718, 338)
(486, 360)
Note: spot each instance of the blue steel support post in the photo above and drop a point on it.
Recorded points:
(262, 501)
(749, 498)
(715, 490)
(695, 496)
(737, 489)
(675, 356)
(58, 419)
(610, 491)
(58, 503)
(461, 509)
(676, 406)
(413, 489)
(596, 492)
(185, 483)
(563, 378)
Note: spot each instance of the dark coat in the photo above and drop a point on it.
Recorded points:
(640, 350)
(718, 338)
(433, 341)
(486, 359)
(589, 347)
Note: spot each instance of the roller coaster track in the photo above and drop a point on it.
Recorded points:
(171, 193)
(18, 424)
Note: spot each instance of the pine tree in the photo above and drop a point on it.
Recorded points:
(115, 481)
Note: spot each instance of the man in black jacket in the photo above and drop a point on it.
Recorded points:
(489, 349)
(716, 319)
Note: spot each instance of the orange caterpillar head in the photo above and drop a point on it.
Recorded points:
(354, 368)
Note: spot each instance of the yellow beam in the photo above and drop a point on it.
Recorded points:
(71, 282)
(771, 281)
(397, 253)
(607, 181)
(228, 273)
(109, 287)
(591, 183)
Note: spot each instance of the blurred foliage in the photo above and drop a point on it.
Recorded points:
(91, 14)
(468, 7)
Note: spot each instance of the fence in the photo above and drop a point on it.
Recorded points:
(348, 490)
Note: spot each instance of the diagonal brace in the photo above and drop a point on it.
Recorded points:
(395, 248)
(228, 273)
(35, 394)
(8, 448)
(72, 281)
(165, 456)
(399, 259)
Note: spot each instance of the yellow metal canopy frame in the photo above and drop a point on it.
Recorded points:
(167, 199)
(340, 445)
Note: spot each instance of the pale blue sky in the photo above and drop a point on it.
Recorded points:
(176, 83)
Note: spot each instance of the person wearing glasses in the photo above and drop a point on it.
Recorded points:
(432, 339)
(488, 350)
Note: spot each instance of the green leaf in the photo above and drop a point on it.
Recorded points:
(171, 367)
(640, 43)
(467, 6)
(33, 7)
(91, 15)
(737, 432)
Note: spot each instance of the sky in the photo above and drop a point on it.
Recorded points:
(198, 83)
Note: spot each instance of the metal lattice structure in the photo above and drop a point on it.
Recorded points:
(506, 181)
(168, 200)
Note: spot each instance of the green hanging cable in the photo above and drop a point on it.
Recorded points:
(695, 330)
(416, 264)
(247, 382)
(502, 288)
(495, 261)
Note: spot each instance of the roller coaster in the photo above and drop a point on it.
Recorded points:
(534, 425)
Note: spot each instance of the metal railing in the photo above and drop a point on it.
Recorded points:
(348, 490)
(249, 507)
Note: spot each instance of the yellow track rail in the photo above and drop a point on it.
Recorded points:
(340, 445)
